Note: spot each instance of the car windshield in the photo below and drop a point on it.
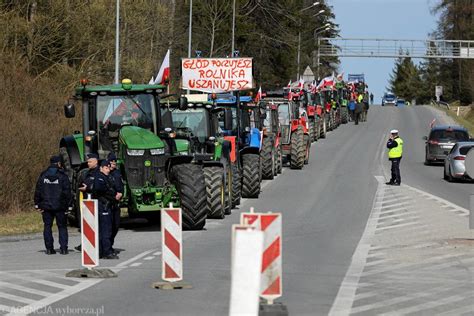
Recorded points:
(195, 120)
(449, 134)
(465, 149)
(389, 96)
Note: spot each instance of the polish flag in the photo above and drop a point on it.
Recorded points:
(259, 95)
(432, 123)
(326, 82)
(164, 73)
(289, 91)
(289, 84)
(301, 84)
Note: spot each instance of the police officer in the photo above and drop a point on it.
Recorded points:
(358, 109)
(86, 178)
(52, 199)
(103, 191)
(118, 186)
(395, 151)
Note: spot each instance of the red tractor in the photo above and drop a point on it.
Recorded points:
(271, 153)
(295, 139)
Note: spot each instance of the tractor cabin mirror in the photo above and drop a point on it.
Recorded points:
(69, 110)
(183, 103)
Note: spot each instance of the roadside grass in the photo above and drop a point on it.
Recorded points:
(21, 223)
(465, 118)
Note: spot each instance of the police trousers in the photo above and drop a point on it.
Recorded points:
(61, 222)
(396, 178)
(105, 231)
(115, 223)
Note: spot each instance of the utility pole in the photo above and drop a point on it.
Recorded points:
(117, 42)
(190, 34)
(233, 29)
(298, 58)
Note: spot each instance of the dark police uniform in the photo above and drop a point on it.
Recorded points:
(103, 190)
(53, 196)
(395, 152)
(118, 187)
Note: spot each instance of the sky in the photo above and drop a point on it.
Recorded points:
(392, 19)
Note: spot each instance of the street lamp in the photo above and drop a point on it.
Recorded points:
(320, 11)
(299, 39)
(117, 42)
(326, 27)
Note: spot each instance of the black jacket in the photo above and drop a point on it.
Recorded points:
(104, 191)
(53, 190)
(392, 143)
(117, 178)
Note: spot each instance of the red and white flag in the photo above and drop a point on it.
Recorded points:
(326, 82)
(259, 95)
(164, 73)
(289, 84)
(432, 123)
(301, 84)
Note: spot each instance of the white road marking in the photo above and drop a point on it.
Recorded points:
(345, 297)
(420, 307)
(149, 258)
(136, 264)
(157, 253)
(457, 207)
(401, 225)
(24, 289)
(137, 257)
(16, 298)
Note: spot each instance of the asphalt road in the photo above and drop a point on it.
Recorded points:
(325, 209)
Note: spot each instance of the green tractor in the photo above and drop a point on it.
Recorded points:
(199, 125)
(156, 167)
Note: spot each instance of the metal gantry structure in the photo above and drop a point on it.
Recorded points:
(395, 48)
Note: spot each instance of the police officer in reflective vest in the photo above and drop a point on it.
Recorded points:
(395, 152)
(52, 198)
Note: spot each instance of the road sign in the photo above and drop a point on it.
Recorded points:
(469, 163)
(438, 92)
(89, 233)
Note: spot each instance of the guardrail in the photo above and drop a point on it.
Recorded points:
(440, 103)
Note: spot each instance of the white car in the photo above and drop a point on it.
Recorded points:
(454, 167)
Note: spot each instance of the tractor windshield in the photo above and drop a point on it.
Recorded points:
(115, 111)
(194, 120)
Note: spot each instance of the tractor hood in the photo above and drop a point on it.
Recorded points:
(139, 138)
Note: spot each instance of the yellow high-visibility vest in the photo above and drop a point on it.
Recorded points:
(396, 152)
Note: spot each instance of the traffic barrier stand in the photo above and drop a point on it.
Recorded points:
(90, 242)
(247, 249)
(172, 250)
(271, 273)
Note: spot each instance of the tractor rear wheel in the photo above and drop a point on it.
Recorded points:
(268, 158)
(189, 181)
(344, 115)
(323, 127)
(279, 166)
(312, 129)
(228, 190)
(236, 185)
(215, 191)
(308, 149)
(298, 149)
(251, 176)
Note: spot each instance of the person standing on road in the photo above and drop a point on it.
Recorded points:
(86, 178)
(118, 186)
(103, 191)
(395, 152)
(371, 98)
(52, 199)
(358, 109)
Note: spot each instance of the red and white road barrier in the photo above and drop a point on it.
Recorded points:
(90, 233)
(171, 244)
(247, 249)
(271, 267)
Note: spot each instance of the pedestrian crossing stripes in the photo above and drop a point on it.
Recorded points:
(404, 263)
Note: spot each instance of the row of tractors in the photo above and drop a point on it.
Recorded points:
(202, 152)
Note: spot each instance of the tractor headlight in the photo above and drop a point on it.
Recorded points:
(135, 152)
(183, 153)
(157, 151)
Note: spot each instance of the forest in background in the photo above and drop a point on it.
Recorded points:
(47, 46)
(410, 81)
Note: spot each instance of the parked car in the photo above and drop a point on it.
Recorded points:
(454, 164)
(389, 99)
(400, 102)
(441, 140)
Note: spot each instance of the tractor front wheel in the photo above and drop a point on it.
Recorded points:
(236, 185)
(251, 176)
(268, 158)
(215, 191)
(298, 147)
(312, 130)
(189, 181)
